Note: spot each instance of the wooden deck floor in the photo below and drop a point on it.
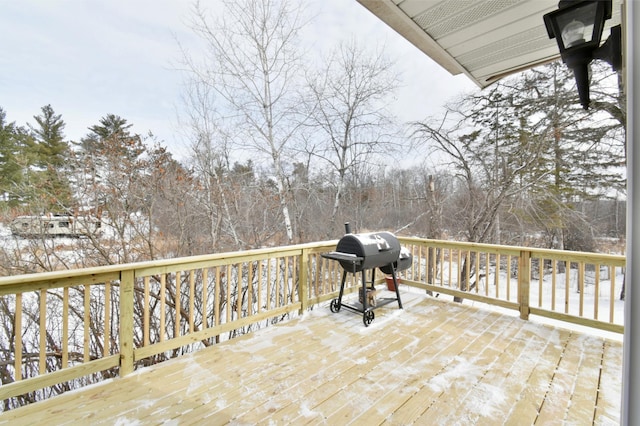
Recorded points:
(433, 363)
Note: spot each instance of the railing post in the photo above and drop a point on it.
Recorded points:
(303, 284)
(524, 278)
(127, 279)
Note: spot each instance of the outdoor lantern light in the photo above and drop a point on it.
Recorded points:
(577, 27)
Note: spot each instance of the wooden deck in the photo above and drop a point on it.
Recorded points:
(433, 363)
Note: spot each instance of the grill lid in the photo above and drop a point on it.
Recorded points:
(366, 251)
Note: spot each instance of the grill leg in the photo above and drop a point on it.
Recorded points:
(395, 284)
(344, 279)
(364, 291)
(336, 304)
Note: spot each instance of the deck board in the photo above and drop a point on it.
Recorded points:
(533, 371)
(608, 408)
(434, 362)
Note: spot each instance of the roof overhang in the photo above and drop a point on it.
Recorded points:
(484, 39)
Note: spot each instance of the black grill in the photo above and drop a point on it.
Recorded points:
(360, 252)
(375, 249)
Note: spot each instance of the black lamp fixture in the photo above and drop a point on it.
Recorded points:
(577, 27)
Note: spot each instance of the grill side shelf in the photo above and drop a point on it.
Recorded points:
(345, 257)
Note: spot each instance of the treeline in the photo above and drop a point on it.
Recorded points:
(156, 207)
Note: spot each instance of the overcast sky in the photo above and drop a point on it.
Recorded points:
(92, 58)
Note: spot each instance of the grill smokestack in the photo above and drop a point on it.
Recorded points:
(347, 228)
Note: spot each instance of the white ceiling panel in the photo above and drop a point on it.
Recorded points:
(485, 39)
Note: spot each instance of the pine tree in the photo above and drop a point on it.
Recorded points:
(581, 154)
(12, 160)
(51, 149)
(49, 180)
(112, 137)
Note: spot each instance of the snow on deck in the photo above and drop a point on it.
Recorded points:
(434, 362)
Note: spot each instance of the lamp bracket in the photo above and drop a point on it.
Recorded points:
(611, 50)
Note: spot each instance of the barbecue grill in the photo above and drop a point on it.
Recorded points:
(361, 252)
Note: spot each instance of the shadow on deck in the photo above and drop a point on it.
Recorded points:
(434, 362)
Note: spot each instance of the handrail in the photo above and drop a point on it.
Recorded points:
(81, 326)
(544, 282)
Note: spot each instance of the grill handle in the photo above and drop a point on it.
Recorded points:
(383, 245)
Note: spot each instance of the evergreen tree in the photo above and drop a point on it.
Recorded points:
(14, 160)
(49, 181)
(111, 137)
(51, 149)
(10, 171)
(109, 159)
(528, 141)
(111, 125)
(581, 154)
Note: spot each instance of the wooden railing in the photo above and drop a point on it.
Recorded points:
(72, 328)
(577, 287)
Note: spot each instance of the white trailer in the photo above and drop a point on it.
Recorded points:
(55, 226)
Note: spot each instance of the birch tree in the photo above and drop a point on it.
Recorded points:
(253, 63)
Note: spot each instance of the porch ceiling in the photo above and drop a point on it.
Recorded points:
(484, 39)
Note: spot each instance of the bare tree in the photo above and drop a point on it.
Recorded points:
(482, 191)
(210, 159)
(488, 165)
(253, 63)
(347, 111)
